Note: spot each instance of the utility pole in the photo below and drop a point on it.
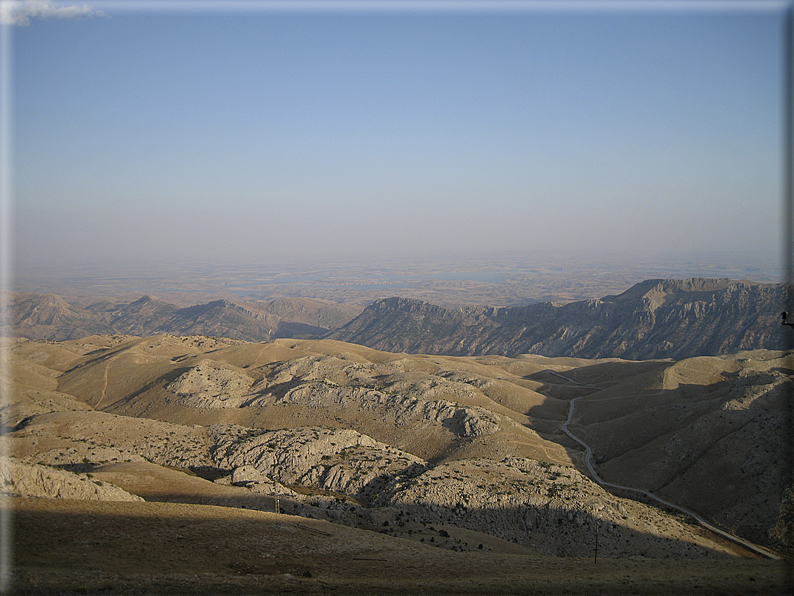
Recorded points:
(595, 558)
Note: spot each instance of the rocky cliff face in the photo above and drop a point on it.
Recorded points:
(654, 319)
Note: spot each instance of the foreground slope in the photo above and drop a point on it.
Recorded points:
(356, 514)
(168, 548)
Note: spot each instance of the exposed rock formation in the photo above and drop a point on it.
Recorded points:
(342, 461)
(653, 319)
(331, 383)
(210, 386)
(26, 480)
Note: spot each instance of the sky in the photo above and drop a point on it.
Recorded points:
(357, 131)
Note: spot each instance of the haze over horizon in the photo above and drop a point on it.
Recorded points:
(187, 135)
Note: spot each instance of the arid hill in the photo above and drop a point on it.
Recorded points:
(470, 442)
(458, 462)
(48, 316)
(654, 319)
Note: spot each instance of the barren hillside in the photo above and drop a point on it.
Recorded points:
(654, 319)
(401, 444)
(47, 316)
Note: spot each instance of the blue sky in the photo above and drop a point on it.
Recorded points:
(255, 134)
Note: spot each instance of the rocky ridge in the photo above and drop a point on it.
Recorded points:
(654, 319)
(658, 318)
(48, 316)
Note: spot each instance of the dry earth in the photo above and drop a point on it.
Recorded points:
(374, 461)
(91, 547)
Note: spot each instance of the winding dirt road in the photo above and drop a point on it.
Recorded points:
(589, 461)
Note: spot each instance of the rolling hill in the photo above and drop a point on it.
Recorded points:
(373, 439)
(460, 451)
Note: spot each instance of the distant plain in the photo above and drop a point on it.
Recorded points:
(494, 280)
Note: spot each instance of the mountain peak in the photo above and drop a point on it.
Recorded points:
(399, 304)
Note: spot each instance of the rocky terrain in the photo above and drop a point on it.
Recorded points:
(380, 438)
(654, 319)
(19, 479)
(462, 454)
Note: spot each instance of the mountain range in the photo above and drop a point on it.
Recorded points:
(658, 318)
(48, 316)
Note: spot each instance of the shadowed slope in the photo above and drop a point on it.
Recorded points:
(706, 433)
(172, 549)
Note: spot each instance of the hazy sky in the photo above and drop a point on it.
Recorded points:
(254, 133)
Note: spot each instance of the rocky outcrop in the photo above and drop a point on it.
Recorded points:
(209, 385)
(33, 480)
(331, 383)
(251, 478)
(341, 461)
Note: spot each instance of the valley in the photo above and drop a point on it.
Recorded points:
(396, 297)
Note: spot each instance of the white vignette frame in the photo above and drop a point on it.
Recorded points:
(107, 8)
